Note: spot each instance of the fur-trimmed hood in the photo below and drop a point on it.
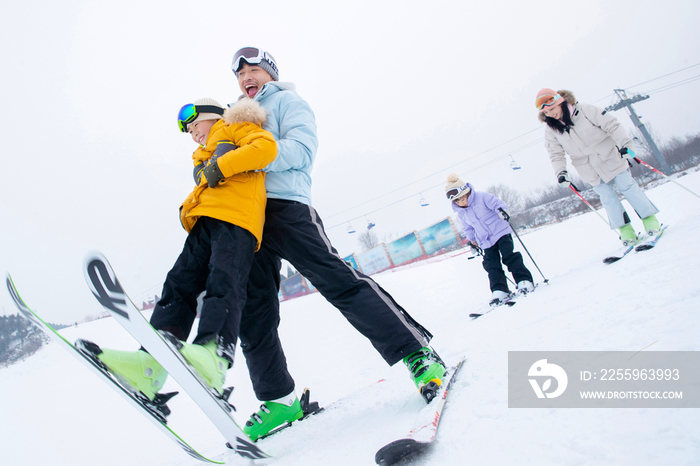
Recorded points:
(245, 110)
(568, 97)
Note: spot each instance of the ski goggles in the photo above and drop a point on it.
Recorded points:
(546, 100)
(455, 193)
(188, 113)
(252, 56)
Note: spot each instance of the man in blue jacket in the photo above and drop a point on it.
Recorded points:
(293, 231)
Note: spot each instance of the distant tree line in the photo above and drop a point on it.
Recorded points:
(18, 339)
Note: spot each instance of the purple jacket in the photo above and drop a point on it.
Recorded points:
(480, 220)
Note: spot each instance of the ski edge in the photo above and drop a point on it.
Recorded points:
(34, 318)
(397, 450)
(393, 452)
(652, 243)
(613, 259)
(634, 247)
(111, 295)
(510, 301)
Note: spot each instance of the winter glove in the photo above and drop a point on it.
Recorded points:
(503, 214)
(563, 178)
(626, 153)
(213, 174)
(476, 250)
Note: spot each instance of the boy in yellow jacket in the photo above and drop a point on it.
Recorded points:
(224, 217)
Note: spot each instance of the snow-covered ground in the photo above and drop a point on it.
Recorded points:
(54, 412)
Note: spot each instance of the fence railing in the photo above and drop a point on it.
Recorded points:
(439, 238)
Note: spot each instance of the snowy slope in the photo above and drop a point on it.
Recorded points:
(54, 412)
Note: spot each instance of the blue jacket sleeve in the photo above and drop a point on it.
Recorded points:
(297, 143)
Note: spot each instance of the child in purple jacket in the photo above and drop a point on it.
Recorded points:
(483, 218)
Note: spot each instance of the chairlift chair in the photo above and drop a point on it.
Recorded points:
(350, 229)
(513, 164)
(423, 202)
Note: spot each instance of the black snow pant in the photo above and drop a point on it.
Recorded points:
(294, 232)
(503, 251)
(216, 258)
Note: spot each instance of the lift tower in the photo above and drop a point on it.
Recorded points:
(627, 102)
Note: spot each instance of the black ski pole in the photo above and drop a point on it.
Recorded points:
(506, 217)
(475, 247)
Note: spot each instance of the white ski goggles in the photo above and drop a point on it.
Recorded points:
(455, 193)
(252, 56)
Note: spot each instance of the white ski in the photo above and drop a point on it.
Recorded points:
(157, 419)
(425, 430)
(105, 286)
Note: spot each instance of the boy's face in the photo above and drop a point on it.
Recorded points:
(251, 78)
(199, 130)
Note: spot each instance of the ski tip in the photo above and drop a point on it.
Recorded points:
(94, 255)
(395, 451)
(8, 281)
(94, 264)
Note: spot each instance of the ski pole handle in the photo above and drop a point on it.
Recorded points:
(504, 214)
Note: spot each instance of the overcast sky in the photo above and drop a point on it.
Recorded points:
(404, 93)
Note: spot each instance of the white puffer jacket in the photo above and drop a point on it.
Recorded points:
(591, 143)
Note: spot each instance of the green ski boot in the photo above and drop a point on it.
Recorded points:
(651, 225)
(427, 370)
(628, 235)
(206, 361)
(273, 414)
(137, 369)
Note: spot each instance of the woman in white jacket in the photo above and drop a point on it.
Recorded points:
(600, 150)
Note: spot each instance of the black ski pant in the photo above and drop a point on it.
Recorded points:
(294, 232)
(503, 251)
(216, 258)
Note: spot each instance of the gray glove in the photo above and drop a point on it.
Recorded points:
(213, 174)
